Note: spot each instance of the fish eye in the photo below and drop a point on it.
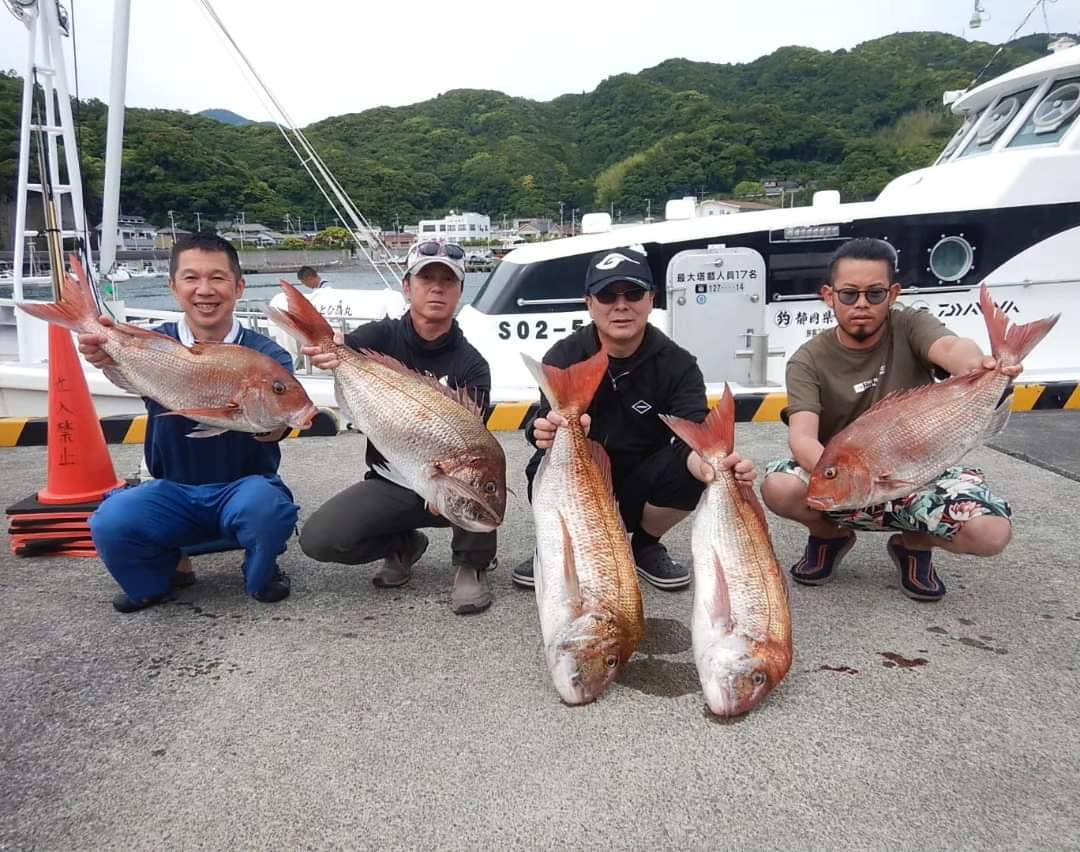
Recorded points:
(611, 661)
(830, 472)
(278, 386)
(759, 678)
(490, 487)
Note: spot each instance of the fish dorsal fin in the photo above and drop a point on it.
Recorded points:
(135, 331)
(999, 418)
(902, 397)
(570, 576)
(719, 607)
(603, 463)
(714, 437)
(459, 395)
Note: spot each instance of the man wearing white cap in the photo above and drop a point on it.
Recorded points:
(377, 518)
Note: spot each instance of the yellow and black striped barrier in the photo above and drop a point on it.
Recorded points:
(766, 407)
(131, 429)
(510, 416)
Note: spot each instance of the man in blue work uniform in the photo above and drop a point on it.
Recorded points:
(223, 487)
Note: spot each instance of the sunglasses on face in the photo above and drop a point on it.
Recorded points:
(437, 249)
(874, 296)
(607, 297)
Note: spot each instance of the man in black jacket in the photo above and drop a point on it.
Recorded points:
(658, 479)
(376, 518)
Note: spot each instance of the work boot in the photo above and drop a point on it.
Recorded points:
(471, 592)
(397, 567)
(122, 603)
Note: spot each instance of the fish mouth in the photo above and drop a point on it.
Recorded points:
(822, 504)
(304, 419)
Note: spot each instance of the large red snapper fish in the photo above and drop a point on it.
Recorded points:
(433, 436)
(907, 439)
(222, 386)
(741, 625)
(587, 593)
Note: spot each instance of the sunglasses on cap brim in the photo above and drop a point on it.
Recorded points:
(434, 248)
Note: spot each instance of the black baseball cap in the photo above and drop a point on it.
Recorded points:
(618, 264)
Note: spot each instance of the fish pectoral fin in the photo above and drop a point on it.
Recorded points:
(462, 489)
(391, 474)
(206, 432)
(887, 481)
(720, 606)
(570, 575)
(230, 411)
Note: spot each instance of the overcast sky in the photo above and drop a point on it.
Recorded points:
(328, 57)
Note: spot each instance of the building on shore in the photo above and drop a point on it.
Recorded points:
(133, 233)
(457, 227)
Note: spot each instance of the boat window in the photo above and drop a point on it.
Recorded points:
(994, 123)
(1052, 116)
(950, 149)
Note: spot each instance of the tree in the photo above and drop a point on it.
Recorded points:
(749, 189)
(334, 237)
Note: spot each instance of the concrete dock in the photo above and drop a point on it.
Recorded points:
(350, 717)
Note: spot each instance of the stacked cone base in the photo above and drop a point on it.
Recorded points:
(39, 529)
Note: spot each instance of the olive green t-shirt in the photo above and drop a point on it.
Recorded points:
(838, 384)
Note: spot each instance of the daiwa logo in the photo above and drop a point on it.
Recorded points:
(613, 260)
(641, 406)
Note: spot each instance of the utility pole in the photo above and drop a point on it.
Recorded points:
(648, 209)
(172, 223)
(560, 219)
(198, 222)
(241, 229)
(573, 221)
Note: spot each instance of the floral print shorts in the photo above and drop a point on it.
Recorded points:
(940, 508)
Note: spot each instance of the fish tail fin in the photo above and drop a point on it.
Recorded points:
(1011, 344)
(570, 389)
(713, 438)
(302, 319)
(77, 308)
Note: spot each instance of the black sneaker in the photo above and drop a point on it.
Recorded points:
(522, 575)
(276, 590)
(918, 580)
(821, 557)
(658, 568)
(122, 603)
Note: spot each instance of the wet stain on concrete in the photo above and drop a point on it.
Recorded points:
(893, 660)
(659, 677)
(665, 636)
(351, 635)
(1048, 616)
(158, 752)
(940, 630)
(966, 621)
(841, 669)
(1075, 617)
(974, 643)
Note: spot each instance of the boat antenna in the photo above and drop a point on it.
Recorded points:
(362, 230)
(1002, 46)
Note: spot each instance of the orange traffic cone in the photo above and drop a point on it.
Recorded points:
(80, 467)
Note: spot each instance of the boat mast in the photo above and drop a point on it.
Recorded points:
(114, 146)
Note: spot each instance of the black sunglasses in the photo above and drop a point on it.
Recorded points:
(606, 297)
(874, 296)
(437, 249)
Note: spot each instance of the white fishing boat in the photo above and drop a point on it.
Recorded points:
(1001, 204)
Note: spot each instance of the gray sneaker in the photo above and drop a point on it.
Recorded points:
(397, 568)
(471, 592)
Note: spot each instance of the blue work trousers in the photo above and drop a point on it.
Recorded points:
(139, 532)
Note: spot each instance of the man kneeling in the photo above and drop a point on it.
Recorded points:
(836, 376)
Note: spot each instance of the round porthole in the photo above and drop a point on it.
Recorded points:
(1056, 108)
(997, 120)
(951, 259)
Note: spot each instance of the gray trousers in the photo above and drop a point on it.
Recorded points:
(370, 521)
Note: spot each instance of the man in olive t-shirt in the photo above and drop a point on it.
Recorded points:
(874, 350)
